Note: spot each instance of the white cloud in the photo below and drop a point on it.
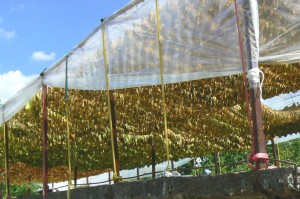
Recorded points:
(11, 83)
(7, 34)
(42, 56)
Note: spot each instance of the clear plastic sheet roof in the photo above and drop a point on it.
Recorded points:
(199, 40)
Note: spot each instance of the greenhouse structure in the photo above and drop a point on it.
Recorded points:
(162, 80)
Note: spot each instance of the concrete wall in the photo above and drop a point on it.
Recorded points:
(101, 192)
(274, 183)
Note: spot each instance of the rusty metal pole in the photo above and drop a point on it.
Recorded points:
(45, 150)
(153, 157)
(255, 92)
(6, 139)
(115, 133)
(259, 136)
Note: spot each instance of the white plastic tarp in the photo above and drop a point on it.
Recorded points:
(199, 40)
(279, 31)
(18, 101)
(85, 66)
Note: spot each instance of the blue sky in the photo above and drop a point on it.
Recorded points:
(36, 33)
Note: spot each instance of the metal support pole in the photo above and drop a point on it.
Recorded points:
(6, 139)
(68, 130)
(259, 136)
(259, 141)
(137, 173)
(153, 157)
(51, 186)
(75, 175)
(45, 150)
(160, 50)
(202, 165)
(115, 133)
(112, 122)
(109, 178)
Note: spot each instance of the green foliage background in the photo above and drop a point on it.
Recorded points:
(288, 151)
(30, 188)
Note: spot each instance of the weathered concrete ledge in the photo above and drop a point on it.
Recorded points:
(267, 184)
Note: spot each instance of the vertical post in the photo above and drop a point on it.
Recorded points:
(109, 94)
(259, 140)
(217, 163)
(153, 157)
(137, 173)
(6, 139)
(162, 82)
(45, 150)
(274, 151)
(109, 178)
(194, 167)
(75, 175)
(278, 154)
(252, 54)
(259, 137)
(202, 165)
(172, 165)
(68, 130)
(115, 133)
